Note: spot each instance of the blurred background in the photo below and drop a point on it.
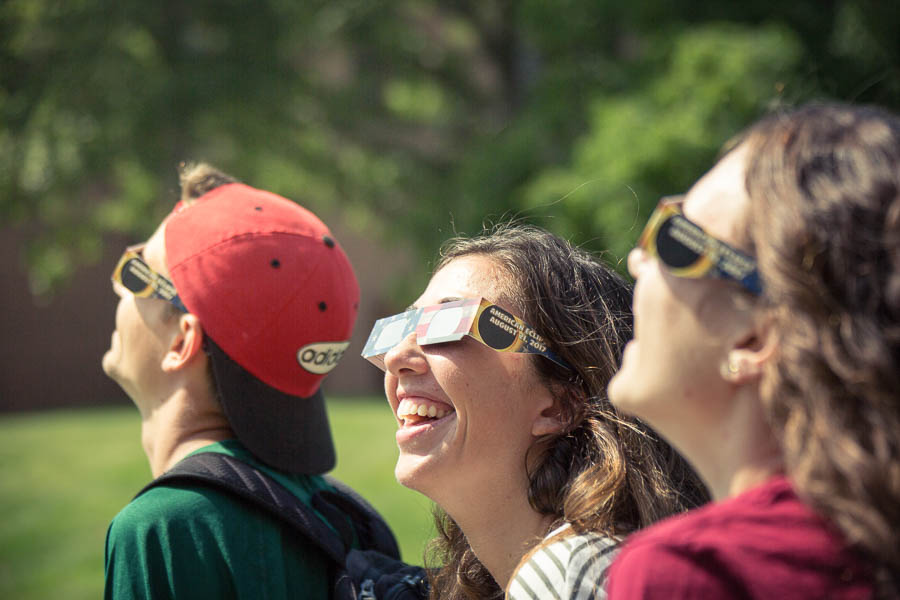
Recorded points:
(401, 123)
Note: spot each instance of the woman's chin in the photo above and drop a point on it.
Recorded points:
(621, 389)
(617, 390)
(415, 473)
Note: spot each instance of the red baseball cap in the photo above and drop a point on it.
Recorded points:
(277, 294)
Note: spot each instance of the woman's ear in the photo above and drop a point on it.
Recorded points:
(549, 419)
(186, 344)
(748, 358)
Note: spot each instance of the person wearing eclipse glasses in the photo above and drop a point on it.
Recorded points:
(229, 317)
(766, 349)
(497, 379)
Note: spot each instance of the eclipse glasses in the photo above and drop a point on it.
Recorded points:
(688, 251)
(136, 276)
(449, 322)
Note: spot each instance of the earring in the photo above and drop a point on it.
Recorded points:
(733, 366)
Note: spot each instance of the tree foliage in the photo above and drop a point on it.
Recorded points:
(412, 118)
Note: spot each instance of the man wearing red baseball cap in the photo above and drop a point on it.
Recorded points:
(229, 317)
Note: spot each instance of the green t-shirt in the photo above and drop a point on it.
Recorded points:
(195, 542)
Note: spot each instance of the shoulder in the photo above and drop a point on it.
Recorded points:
(571, 567)
(148, 542)
(664, 570)
(161, 503)
(679, 557)
(196, 513)
(719, 550)
(202, 505)
(239, 459)
(675, 541)
(770, 506)
(163, 511)
(175, 538)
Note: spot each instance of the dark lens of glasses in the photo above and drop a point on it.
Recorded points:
(497, 328)
(130, 277)
(672, 241)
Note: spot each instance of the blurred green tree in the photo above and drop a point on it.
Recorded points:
(656, 139)
(413, 118)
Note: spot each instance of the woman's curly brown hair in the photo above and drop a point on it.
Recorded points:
(605, 472)
(824, 184)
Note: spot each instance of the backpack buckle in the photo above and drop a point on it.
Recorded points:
(367, 590)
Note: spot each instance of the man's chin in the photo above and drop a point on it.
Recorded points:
(107, 362)
(110, 365)
(110, 357)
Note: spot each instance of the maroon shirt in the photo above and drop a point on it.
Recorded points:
(763, 543)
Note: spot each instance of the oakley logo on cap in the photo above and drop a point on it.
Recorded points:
(321, 357)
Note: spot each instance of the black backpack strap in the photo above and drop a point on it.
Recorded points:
(223, 472)
(371, 529)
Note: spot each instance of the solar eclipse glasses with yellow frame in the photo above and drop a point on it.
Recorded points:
(135, 275)
(449, 322)
(688, 251)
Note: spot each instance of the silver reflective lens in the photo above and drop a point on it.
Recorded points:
(393, 333)
(444, 322)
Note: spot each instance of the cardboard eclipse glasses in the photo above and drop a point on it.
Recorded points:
(449, 322)
(136, 276)
(688, 251)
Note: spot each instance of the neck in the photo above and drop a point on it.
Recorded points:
(736, 453)
(180, 424)
(501, 528)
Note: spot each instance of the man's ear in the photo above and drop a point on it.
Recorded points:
(748, 358)
(185, 345)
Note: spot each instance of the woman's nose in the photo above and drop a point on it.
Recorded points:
(405, 357)
(637, 258)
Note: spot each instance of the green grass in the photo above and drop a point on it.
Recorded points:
(65, 474)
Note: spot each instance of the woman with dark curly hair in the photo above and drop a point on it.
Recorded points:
(497, 378)
(767, 350)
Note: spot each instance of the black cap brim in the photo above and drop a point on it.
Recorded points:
(287, 432)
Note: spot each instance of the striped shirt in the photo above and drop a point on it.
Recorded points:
(571, 568)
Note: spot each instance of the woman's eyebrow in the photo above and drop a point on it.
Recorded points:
(441, 301)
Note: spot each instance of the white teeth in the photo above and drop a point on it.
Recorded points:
(408, 407)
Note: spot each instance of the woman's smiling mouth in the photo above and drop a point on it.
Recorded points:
(420, 411)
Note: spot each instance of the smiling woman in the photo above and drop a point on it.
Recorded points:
(503, 419)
